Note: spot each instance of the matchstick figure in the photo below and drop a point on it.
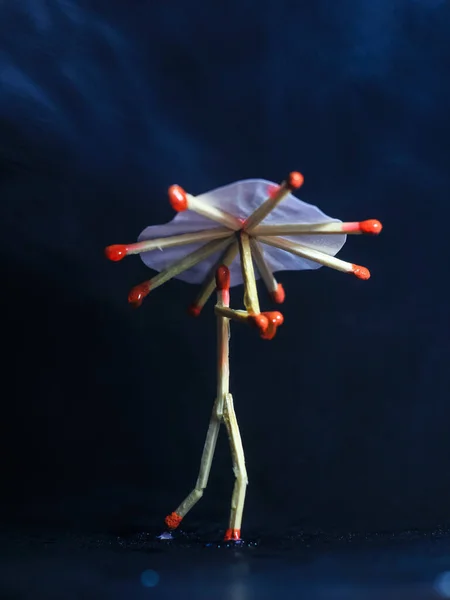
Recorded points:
(251, 228)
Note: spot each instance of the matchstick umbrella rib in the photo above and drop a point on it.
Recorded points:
(294, 181)
(181, 201)
(274, 288)
(251, 300)
(316, 256)
(117, 252)
(369, 227)
(138, 293)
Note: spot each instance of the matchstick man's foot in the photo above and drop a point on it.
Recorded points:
(232, 535)
(173, 520)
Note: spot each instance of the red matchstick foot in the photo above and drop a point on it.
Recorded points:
(233, 535)
(173, 520)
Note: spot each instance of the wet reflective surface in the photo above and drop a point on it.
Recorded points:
(412, 566)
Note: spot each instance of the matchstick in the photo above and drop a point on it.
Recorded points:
(181, 201)
(240, 487)
(139, 292)
(222, 279)
(316, 256)
(293, 182)
(369, 227)
(119, 251)
(274, 288)
(251, 301)
(174, 519)
(209, 284)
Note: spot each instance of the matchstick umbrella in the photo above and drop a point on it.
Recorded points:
(284, 233)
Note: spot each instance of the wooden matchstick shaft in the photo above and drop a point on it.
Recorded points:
(240, 471)
(294, 181)
(263, 268)
(209, 284)
(371, 227)
(189, 261)
(316, 256)
(178, 240)
(174, 519)
(223, 371)
(251, 301)
(117, 252)
(298, 229)
(181, 201)
(222, 280)
(212, 212)
(240, 316)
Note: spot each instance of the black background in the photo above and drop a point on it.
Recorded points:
(345, 415)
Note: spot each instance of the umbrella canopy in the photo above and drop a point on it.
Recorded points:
(241, 199)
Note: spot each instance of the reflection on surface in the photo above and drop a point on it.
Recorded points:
(114, 569)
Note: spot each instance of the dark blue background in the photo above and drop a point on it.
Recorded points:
(345, 415)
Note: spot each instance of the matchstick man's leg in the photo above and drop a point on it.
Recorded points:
(240, 472)
(223, 370)
(174, 519)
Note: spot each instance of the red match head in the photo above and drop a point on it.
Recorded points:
(278, 295)
(371, 227)
(260, 321)
(116, 252)
(223, 278)
(138, 293)
(295, 180)
(361, 272)
(274, 320)
(194, 310)
(177, 198)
